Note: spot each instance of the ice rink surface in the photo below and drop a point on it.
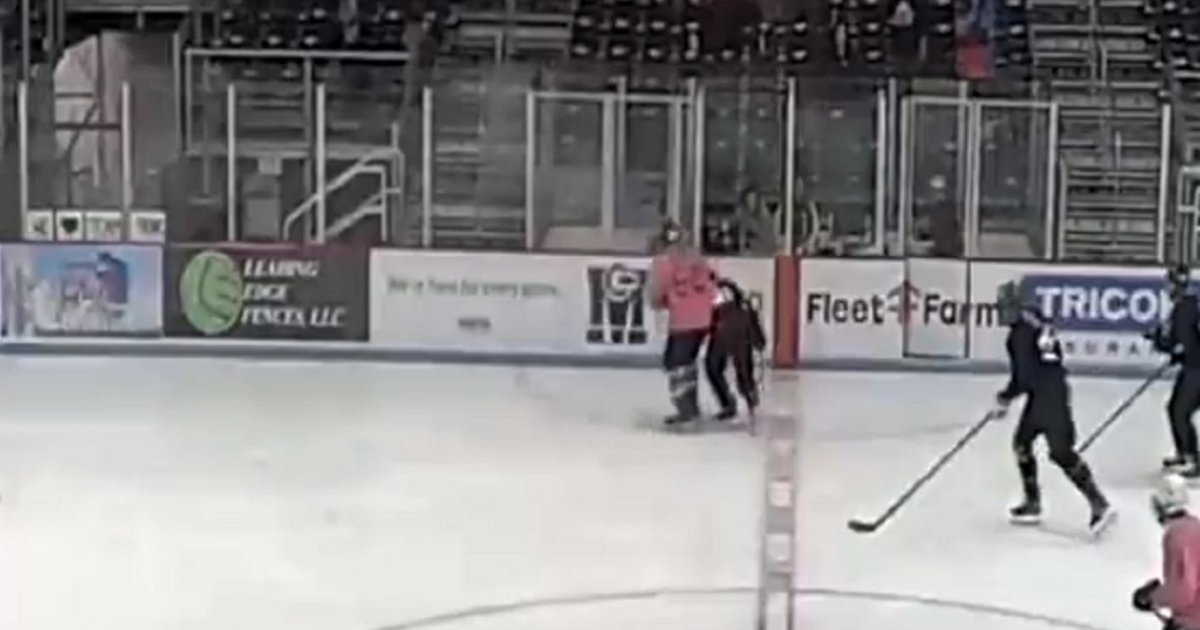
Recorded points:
(215, 495)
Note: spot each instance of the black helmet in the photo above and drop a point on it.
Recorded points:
(1179, 275)
(671, 232)
(1012, 301)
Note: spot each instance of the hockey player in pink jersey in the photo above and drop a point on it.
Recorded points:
(1179, 589)
(683, 283)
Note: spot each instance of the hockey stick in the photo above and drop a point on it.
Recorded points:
(867, 527)
(1122, 408)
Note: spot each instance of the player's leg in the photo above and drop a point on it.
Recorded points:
(743, 368)
(1060, 437)
(1179, 420)
(1030, 509)
(1186, 425)
(716, 358)
(679, 360)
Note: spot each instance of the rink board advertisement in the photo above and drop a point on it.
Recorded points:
(506, 303)
(81, 291)
(434, 301)
(851, 309)
(946, 309)
(282, 293)
(1100, 312)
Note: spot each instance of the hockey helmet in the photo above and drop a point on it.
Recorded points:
(1179, 276)
(671, 232)
(1170, 497)
(1012, 301)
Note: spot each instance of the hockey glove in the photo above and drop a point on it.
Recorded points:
(1003, 402)
(1158, 338)
(1143, 597)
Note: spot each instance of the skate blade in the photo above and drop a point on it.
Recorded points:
(1101, 527)
(649, 421)
(1025, 521)
(710, 425)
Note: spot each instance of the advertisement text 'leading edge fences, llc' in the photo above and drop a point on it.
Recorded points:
(266, 293)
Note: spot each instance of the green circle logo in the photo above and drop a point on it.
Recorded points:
(210, 291)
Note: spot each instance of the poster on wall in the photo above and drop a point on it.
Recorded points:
(81, 290)
(266, 293)
(445, 301)
(852, 309)
(618, 314)
(1101, 313)
(937, 313)
(520, 303)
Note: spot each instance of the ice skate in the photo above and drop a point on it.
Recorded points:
(1103, 515)
(1190, 470)
(1175, 463)
(726, 414)
(679, 419)
(1028, 513)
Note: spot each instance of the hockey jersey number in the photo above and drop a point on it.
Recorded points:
(1049, 346)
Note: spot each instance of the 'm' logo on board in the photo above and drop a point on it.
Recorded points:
(616, 305)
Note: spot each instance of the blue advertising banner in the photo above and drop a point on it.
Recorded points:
(1101, 312)
(81, 290)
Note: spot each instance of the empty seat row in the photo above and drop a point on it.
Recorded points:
(926, 36)
(328, 24)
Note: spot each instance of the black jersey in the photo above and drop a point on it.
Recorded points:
(1181, 338)
(736, 322)
(1035, 357)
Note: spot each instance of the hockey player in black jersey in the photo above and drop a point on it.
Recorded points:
(1037, 371)
(1180, 339)
(737, 335)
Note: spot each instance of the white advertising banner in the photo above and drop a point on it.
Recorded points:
(938, 313)
(1100, 312)
(851, 309)
(450, 301)
(523, 303)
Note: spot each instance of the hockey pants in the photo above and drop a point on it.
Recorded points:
(679, 361)
(717, 358)
(1184, 402)
(1049, 416)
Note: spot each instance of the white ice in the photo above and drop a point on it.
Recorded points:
(216, 495)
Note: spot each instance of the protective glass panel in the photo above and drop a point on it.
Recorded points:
(1014, 147)
(568, 180)
(74, 142)
(478, 123)
(937, 176)
(744, 139)
(645, 164)
(835, 166)
(268, 132)
(272, 148)
(367, 105)
(154, 140)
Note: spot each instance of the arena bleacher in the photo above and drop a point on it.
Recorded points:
(424, 113)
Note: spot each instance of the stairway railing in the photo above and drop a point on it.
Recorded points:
(315, 204)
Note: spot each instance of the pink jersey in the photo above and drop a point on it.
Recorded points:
(684, 284)
(1180, 590)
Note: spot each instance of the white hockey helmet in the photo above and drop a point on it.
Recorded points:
(1170, 498)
